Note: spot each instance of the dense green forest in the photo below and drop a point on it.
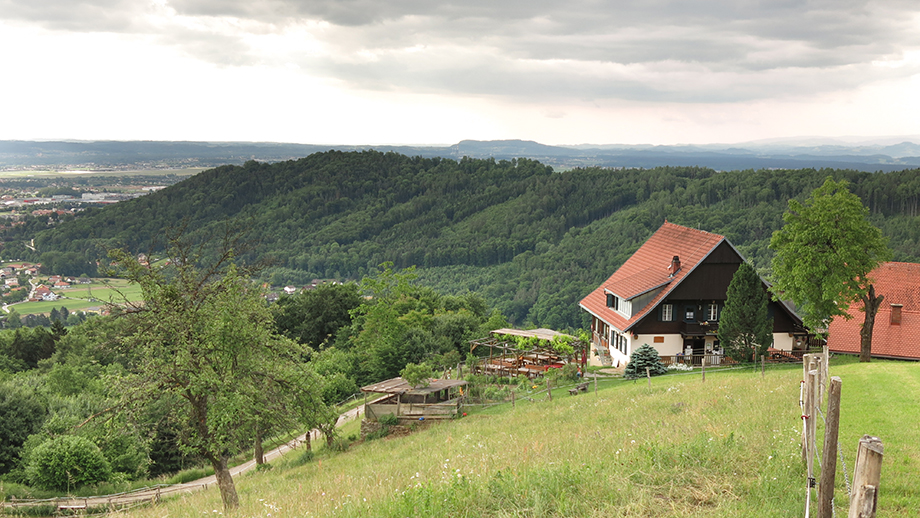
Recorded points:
(530, 240)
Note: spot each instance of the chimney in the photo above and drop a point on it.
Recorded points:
(896, 314)
(675, 266)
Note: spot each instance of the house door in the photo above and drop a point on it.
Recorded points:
(694, 347)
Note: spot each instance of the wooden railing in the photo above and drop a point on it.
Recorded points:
(695, 360)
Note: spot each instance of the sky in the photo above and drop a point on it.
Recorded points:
(437, 72)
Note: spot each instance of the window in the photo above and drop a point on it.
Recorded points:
(712, 312)
(613, 302)
(689, 313)
(667, 312)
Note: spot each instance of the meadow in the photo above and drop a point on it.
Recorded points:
(85, 297)
(726, 447)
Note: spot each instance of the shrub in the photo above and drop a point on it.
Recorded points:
(388, 420)
(67, 462)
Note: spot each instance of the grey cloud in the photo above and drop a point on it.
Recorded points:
(582, 49)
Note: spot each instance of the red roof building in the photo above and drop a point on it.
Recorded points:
(670, 295)
(897, 325)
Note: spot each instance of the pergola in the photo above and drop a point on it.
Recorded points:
(507, 358)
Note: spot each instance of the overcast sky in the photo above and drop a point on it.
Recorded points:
(434, 72)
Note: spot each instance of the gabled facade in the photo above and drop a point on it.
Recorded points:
(670, 295)
(896, 333)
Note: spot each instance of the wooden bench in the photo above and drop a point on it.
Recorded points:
(581, 387)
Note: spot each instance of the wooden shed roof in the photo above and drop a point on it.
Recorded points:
(401, 386)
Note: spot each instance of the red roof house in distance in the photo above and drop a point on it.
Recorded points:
(670, 295)
(897, 325)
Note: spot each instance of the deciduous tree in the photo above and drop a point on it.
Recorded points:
(203, 340)
(824, 255)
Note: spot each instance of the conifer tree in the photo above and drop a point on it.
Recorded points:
(745, 326)
(645, 356)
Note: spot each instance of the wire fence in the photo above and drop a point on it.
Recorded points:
(819, 391)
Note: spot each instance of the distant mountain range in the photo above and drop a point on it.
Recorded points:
(891, 154)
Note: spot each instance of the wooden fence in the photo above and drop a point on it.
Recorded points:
(819, 391)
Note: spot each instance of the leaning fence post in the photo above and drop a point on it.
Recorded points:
(864, 500)
(829, 455)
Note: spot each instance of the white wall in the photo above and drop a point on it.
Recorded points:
(618, 357)
(783, 341)
(672, 344)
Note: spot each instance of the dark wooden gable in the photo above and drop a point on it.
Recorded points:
(710, 280)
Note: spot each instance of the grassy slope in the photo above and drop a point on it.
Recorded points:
(729, 447)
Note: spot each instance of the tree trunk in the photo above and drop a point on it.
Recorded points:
(259, 452)
(871, 303)
(225, 483)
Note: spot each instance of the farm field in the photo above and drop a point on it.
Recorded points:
(190, 171)
(728, 447)
(90, 297)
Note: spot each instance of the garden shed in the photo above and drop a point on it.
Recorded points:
(439, 400)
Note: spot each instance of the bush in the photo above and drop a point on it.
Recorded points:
(568, 372)
(388, 420)
(67, 462)
(305, 457)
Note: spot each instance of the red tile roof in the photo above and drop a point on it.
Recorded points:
(900, 284)
(648, 269)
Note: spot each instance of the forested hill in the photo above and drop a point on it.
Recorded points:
(531, 240)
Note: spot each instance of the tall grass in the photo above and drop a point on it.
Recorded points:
(728, 447)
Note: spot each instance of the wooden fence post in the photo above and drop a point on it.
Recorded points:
(648, 374)
(512, 399)
(810, 425)
(829, 455)
(703, 368)
(595, 383)
(763, 365)
(820, 381)
(864, 500)
(549, 389)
